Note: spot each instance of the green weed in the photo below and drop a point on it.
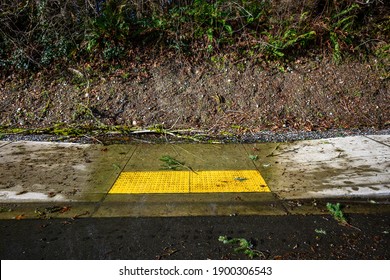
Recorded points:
(337, 213)
(320, 231)
(244, 246)
(341, 30)
(116, 167)
(5, 209)
(110, 30)
(240, 179)
(277, 45)
(39, 34)
(211, 21)
(253, 157)
(171, 163)
(85, 112)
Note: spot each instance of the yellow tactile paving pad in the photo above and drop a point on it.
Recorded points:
(189, 182)
(227, 181)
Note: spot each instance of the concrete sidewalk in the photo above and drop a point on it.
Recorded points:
(77, 178)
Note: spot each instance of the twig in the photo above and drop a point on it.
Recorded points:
(93, 138)
(271, 154)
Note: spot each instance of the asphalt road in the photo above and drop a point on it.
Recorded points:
(196, 238)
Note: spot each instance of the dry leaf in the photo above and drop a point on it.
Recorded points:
(65, 209)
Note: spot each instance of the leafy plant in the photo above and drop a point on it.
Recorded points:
(110, 30)
(341, 29)
(277, 45)
(211, 20)
(35, 34)
(253, 157)
(173, 164)
(320, 231)
(337, 213)
(244, 246)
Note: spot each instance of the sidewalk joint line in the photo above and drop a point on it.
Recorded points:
(377, 141)
(99, 203)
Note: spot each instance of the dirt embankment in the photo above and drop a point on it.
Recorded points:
(220, 99)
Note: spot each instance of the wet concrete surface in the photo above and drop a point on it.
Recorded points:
(334, 167)
(44, 171)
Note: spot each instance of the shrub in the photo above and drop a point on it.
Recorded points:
(37, 34)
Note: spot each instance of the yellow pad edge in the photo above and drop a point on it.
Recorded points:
(214, 181)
